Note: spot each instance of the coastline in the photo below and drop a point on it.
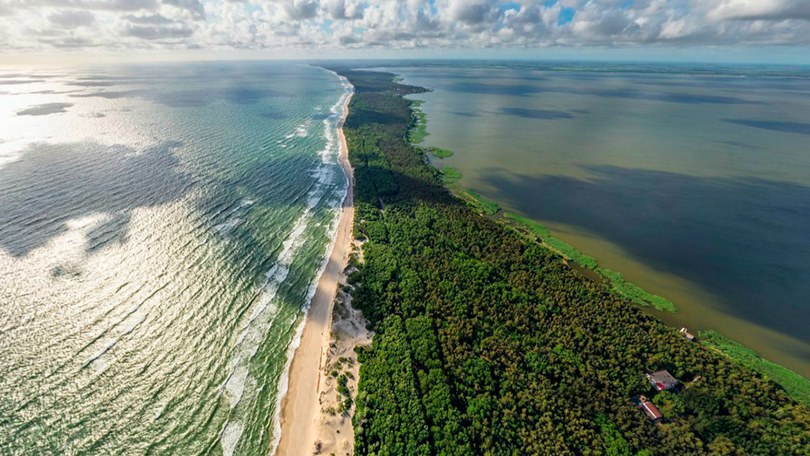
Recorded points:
(300, 406)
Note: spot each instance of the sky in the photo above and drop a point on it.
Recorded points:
(776, 31)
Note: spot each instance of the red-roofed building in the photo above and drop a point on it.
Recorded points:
(649, 409)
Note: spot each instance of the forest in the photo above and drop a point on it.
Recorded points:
(487, 343)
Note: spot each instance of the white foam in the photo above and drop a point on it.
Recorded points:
(330, 124)
(261, 318)
(109, 344)
(254, 331)
(136, 321)
(225, 227)
(235, 385)
(230, 437)
(301, 131)
(160, 411)
(99, 366)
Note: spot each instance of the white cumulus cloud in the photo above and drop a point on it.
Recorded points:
(397, 24)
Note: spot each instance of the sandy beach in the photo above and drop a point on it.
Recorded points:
(301, 409)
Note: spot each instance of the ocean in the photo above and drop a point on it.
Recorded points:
(161, 229)
(691, 180)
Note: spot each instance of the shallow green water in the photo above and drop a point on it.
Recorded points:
(160, 231)
(693, 181)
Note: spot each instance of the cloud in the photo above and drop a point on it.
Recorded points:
(471, 11)
(152, 19)
(169, 31)
(768, 10)
(194, 7)
(72, 18)
(399, 24)
(6, 10)
(97, 5)
(301, 9)
(342, 9)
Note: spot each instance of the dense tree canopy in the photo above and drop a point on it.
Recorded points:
(487, 343)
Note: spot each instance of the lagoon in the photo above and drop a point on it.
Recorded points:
(691, 180)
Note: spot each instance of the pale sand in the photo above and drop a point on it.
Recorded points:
(300, 408)
(349, 330)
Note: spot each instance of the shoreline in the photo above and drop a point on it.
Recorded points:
(300, 407)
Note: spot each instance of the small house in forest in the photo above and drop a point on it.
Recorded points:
(649, 409)
(662, 380)
(687, 335)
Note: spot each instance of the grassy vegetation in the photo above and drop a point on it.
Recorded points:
(418, 131)
(534, 227)
(571, 252)
(450, 175)
(561, 247)
(438, 152)
(635, 293)
(796, 385)
(480, 203)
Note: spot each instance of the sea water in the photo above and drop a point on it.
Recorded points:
(161, 231)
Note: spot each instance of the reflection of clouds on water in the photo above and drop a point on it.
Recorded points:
(52, 184)
(465, 113)
(66, 270)
(45, 109)
(718, 232)
(774, 125)
(524, 90)
(493, 89)
(19, 81)
(541, 114)
(190, 98)
(92, 83)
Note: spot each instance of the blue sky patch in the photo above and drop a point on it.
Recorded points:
(566, 16)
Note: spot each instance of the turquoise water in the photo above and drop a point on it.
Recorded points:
(691, 180)
(160, 231)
